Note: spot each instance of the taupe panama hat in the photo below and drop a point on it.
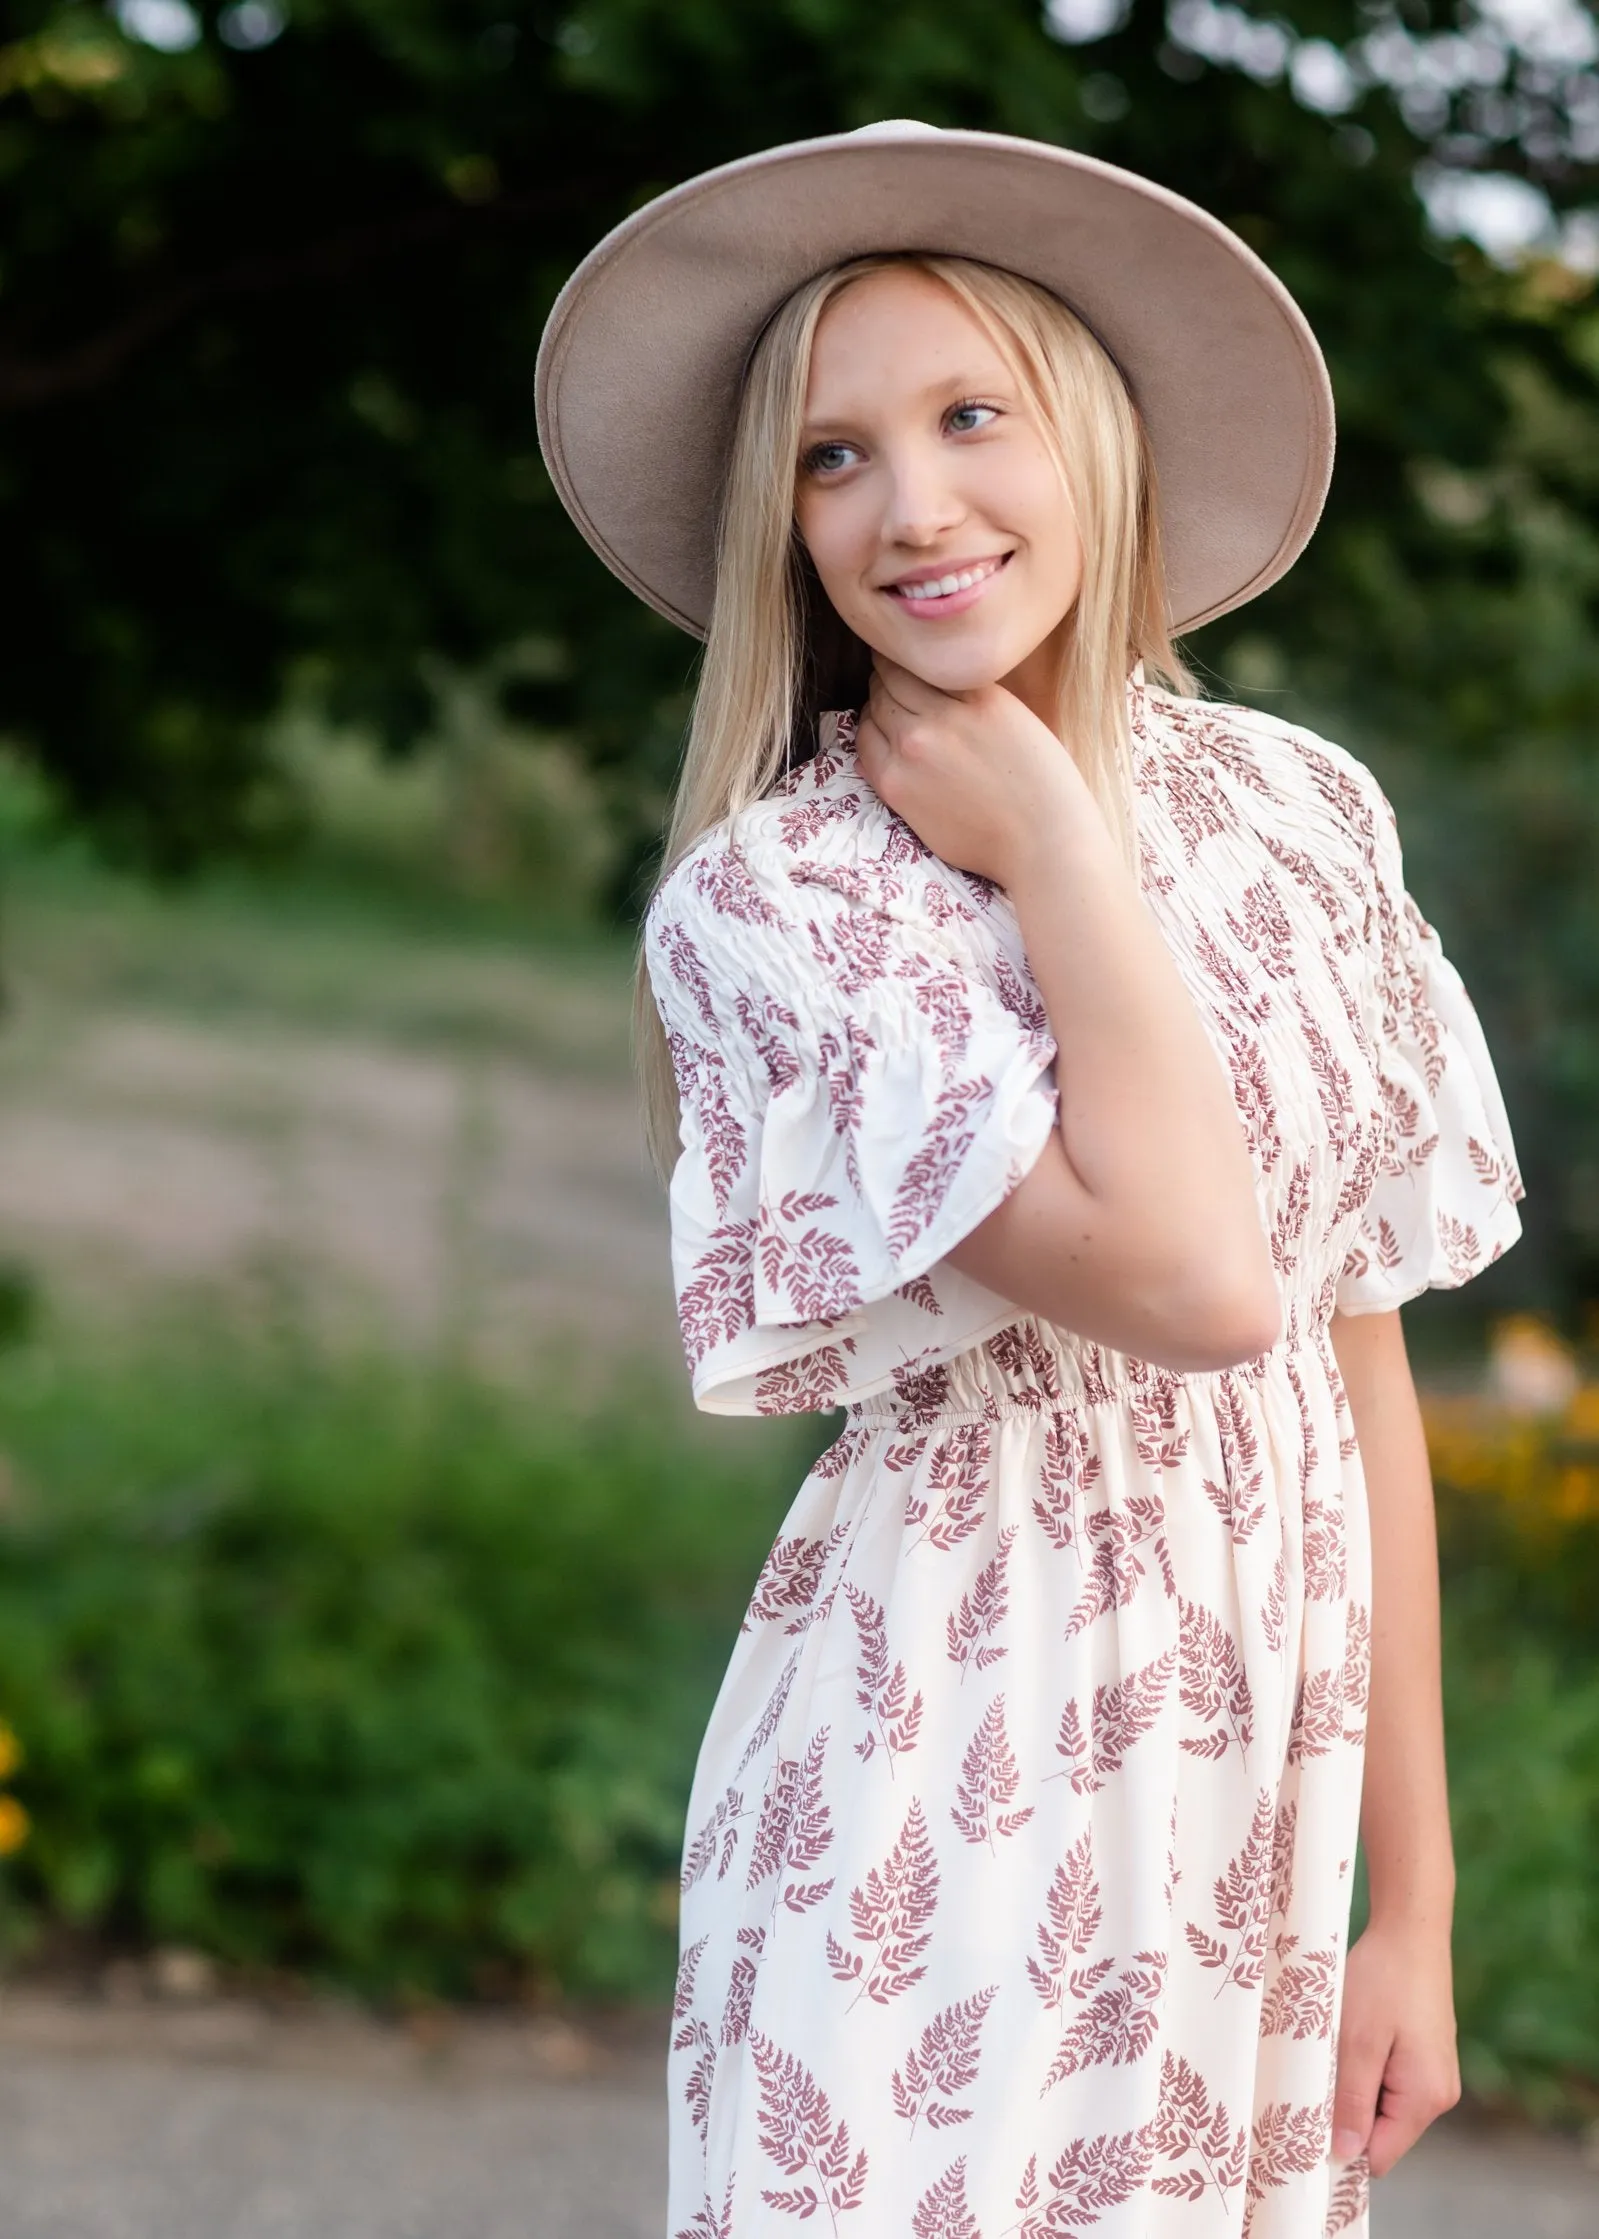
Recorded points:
(640, 365)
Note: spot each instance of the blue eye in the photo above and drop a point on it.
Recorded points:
(964, 420)
(827, 458)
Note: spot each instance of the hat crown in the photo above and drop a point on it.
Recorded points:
(896, 128)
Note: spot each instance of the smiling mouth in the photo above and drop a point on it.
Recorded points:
(934, 590)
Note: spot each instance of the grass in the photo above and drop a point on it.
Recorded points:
(374, 1675)
(429, 971)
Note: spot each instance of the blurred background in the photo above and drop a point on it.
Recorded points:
(365, 1575)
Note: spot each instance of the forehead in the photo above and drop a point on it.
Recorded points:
(899, 330)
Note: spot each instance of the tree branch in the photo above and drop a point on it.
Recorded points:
(91, 364)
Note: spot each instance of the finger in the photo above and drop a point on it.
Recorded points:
(1361, 2061)
(909, 691)
(872, 749)
(1405, 2108)
(1392, 2134)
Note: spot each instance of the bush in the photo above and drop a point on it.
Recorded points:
(1523, 1725)
(1518, 1512)
(364, 1671)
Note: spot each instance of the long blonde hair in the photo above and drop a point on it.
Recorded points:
(775, 653)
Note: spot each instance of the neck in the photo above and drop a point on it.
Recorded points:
(1037, 681)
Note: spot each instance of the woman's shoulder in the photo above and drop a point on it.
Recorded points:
(1306, 773)
(820, 826)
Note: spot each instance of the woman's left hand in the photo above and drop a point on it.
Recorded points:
(1398, 2068)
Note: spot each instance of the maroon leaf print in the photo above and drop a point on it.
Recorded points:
(1119, 2022)
(1238, 1501)
(1030, 1368)
(687, 1968)
(710, 2223)
(1318, 1721)
(773, 1032)
(944, 1000)
(1326, 1571)
(702, 1088)
(695, 2036)
(724, 879)
(807, 1386)
(1274, 1610)
(922, 1393)
(952, 1506)
(1068, 1469)
(1153, 1420)
(717, 1839)
(943, 2064)
(891, 1913)
(1300, 1997)
(1242, 1897)
(836, 1459)
(798, 2133)
(1351, 2197)
(795, 1827)
(789, 1579)
(766, 1725)
(1214, 1686)
(1124, 1711)
(970, 1629)
(943, 2211)
(1357, 1673)
(687, 967)
(989, 1781)
(1288, 2142)
(1116, 1565)
(1187, 2125)
(933, 1166)
(816, 1270)
(718, 1303)
(919, 1291)
(1090, 2177)
(1075, 1914)
(895, 1714)
(1283, 1837)
(741, 1986)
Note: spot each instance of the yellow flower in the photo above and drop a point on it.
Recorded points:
(14, 1825)
(10, 1751)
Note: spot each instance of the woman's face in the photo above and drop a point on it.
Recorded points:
(931, 508)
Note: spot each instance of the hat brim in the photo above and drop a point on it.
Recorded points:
(642, 358)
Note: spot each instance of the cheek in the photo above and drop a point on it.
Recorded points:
(841, 540)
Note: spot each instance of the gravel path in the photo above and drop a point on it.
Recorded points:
(220, 2124)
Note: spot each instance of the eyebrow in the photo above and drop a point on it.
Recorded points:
(960, 383)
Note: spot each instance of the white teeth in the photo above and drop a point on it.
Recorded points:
(946, 584)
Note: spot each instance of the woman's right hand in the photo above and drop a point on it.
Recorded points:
(976, 775)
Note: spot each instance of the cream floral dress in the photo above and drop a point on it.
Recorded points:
(1017, 1874)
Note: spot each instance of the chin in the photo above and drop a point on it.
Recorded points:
(953, 669)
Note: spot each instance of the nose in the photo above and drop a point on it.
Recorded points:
(921, 504)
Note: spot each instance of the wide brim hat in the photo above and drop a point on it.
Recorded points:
(643, 357)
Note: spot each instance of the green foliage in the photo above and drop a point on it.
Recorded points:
(360, 1670)
(267, 324)
(268, 318)
(1523, 1723)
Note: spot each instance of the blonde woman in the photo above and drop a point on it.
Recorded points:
(1052, 1069)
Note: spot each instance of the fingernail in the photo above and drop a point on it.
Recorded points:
(1346, 2144)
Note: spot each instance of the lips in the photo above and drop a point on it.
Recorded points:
(926, 589)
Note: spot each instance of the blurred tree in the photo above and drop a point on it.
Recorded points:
(272, 283)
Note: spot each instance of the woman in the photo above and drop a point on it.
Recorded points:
(1053, 1069)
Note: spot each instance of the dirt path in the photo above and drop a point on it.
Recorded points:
(418, 1188)
(219, 2122)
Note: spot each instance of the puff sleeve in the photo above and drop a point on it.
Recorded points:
(862, 1078)
(1443, 1206)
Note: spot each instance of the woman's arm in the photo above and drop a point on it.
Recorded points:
(1397, 2063)
(1139, 1226)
